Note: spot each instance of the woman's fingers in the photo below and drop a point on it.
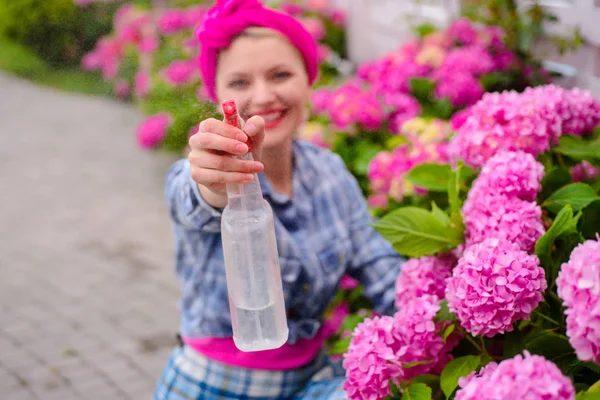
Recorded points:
(224, 163)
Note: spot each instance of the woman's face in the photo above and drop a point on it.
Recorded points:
(265, 75)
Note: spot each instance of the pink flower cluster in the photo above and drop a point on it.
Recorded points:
(153, 130)
(529, 377)
(501, 203)
(578, 285)
(530, 122)
(453, 59)
(351, 104)
(446, 58)
(584, 171)
(494, 284)
(423, 276)
(427, 142)
(134, 30)
(496, 281)
(382, 347)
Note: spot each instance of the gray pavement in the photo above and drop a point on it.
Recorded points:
(88, 296)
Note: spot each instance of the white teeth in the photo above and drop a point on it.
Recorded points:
(272, 117)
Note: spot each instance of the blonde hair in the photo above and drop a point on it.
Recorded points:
(260, 31)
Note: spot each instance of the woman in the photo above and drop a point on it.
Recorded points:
(266, 61)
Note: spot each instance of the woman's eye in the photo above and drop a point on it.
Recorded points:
(238, 83)
(282, 75)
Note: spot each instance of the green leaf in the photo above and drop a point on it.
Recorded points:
(563, 224)
(439, 214)
(425, 29)
(551, 345)
(443, 108)
(590, 225)
(417, 391)
(592, 366)
(340, 346)
(365, 152)
(351, 322)
(456, 369)
(578, 195)
(448, 331)
(416, 232)
(430, 176)
(554, 180)
(595, 388)
(514, 343)
(454, 190)
(429, 379)
(415, 363)
(587, 396)
(578, 148)
(421, 88)
(444, 314)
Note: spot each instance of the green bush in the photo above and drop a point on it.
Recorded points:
(57, 30)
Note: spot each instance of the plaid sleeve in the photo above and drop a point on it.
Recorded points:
(185, 202)
(375, 263)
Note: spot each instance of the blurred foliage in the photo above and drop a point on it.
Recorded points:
(22, 61)
(57, 30)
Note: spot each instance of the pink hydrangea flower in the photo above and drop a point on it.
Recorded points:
(530, 377)
(381, 346)
(403, 107)
(584, 171)
(194, 15)
(463, 89)
(494, 284)
(462, 31)
(505, 121)
(458, 119)
(148, 45)
(378, 200)
(153, 130)
(348, 283)
(511, 173)
(172, 21)
(141, 84)
(351, 104)
(179, 72)
(421, 338)
(578, 285)
(505, 218)
(338, 17)
(121, 88)
(371, 362)
(423, 276)
(472, 60)
(314, 26)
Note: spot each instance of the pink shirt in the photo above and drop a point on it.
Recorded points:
(288, 356)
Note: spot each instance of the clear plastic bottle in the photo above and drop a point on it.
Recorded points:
(252, 267)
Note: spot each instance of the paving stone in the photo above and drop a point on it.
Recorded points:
(88, 295)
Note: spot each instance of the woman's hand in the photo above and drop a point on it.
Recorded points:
(211, 163)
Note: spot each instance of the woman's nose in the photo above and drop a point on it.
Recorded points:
(263, 93)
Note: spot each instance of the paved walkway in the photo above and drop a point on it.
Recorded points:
(87, 290)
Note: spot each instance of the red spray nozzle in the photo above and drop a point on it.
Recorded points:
(231, 116)
(231, 113)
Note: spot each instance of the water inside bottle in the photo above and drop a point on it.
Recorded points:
(259, 328)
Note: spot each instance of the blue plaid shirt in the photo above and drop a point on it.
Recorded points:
(323, 232)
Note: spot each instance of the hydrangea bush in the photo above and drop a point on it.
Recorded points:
(500, 295)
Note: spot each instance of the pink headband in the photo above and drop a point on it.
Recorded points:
(228, 18)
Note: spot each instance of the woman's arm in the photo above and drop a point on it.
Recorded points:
(186, 205)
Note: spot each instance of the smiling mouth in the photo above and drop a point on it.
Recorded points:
(272, 119)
